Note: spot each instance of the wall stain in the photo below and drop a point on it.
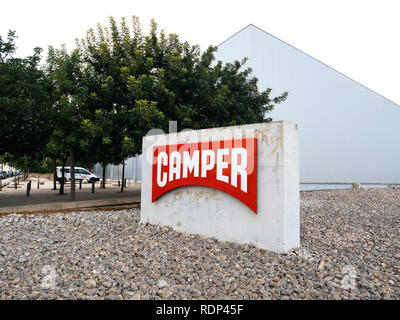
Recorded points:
(272, 140)
(194, 195)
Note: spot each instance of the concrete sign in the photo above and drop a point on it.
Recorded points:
(212, 182)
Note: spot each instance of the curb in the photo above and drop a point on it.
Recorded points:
(71, 205)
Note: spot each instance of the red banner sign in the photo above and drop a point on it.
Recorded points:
(228, 165)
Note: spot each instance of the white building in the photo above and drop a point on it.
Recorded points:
(348, 133)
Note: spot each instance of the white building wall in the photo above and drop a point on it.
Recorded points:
(347, 132)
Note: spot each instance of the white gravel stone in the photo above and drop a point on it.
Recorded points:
(350, 250)
(162, 284)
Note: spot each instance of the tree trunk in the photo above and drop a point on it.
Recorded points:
(72, 165)
(55, 175)
(123, 176)
(103, 184)
(62, 177)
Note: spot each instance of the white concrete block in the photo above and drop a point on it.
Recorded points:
(211, 212)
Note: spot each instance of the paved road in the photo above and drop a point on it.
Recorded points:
(10, 197)
(7, 181)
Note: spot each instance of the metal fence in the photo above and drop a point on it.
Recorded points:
(133, 170)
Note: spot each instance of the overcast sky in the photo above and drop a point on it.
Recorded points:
(358, 38)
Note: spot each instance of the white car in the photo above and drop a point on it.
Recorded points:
(80, 174)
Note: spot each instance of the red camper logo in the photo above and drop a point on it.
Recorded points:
(228, 165)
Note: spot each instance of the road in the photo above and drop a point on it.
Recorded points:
(9, 197)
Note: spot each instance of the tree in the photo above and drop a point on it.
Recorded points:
(25, 101)
(73, 131)
(56, 153)
(142, 82)
(97, 102)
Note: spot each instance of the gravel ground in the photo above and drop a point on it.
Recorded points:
(350, 250)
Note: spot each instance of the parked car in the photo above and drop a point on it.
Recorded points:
(80, 174)
(10, 173)
(3, 174)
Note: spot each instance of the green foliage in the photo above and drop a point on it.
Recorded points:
(73, 130)
(7, 48)
(32, 163)
(98, 101)
(25, 101)
(142, 82)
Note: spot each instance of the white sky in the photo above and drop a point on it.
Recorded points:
(359, 38)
